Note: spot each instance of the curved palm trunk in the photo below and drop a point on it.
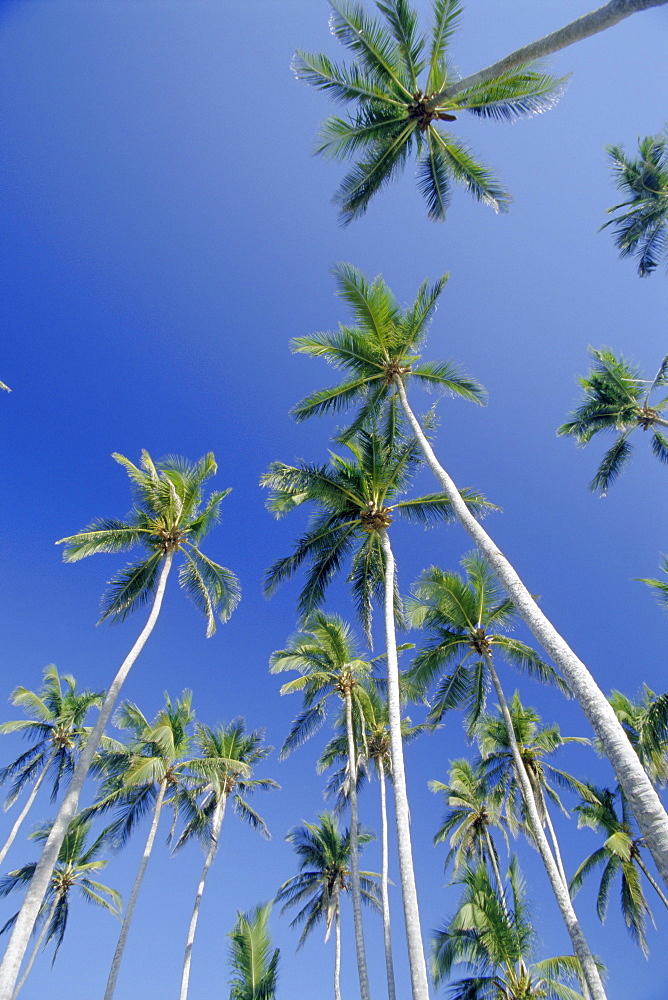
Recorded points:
(38, 944)
(555, 844)
(637, 788)
(337, 953)
(495, 868)
(416, 958)
(385, 898)
(578, 940)
(130, 909)
(354, 853)
(589, 24)
(652, 881)
(24, 812)
(217, 823)
(20, 938)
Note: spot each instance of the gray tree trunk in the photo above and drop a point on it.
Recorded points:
(337, 953)
(24, 812)
(638, 789)
(132, 901)
(38, 943)
(385, 897)
(365, 992)
(418, 968)
(20, 938)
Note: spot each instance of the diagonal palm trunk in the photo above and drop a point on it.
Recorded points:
(24, 812)
(559, 887)
(337, 953)
(34, 952)
(416, 958)
(637, 788)
(20, 938)
(385, 899)
(217, 822)
(354, 851)
(132, 901)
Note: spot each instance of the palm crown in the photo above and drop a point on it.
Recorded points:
(642, 230)
(168, 516)
(617, 399)
(396, 84)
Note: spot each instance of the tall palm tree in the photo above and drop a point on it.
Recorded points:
(378, 356)
(169, 516)
(328, 661)
(496, 941)
(57, 733)
(150, 771)
(645, 722)
(617, 400)
(254, 963)
(620, 855)
(324, 854)
(77, 863)
(227, 756)
(356, 500)
(642, 230)
(397, 85)
(462, 615)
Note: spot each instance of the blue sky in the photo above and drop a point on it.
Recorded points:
(165, 233)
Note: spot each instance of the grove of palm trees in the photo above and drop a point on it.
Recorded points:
(335, 410)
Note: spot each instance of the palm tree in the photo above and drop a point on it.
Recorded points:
(77, 863)
(378, 356)
(57, 733)
(535, 743)
(645, 722)
(254, 963)
(149, 772)
(617, 400)
(226, 759)
(397, 85)
(356, 501)
(642, 230)
(496, 942)
(325, 655)
(168, 517)
(620, 855)
(462, 615)
(324, 855)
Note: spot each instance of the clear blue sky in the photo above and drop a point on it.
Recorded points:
(165, 232)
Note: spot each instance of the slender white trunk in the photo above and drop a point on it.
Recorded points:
(38, 944)
(217, 822)
(354, 853)
(385, 897)
(495, 868)
(418, 968)
(578, 940)
(130, 908)
(589, 24)
(24, 812)
(652, 881)
(555, 845)
(638, 789)
(20, 938)
(337, 953)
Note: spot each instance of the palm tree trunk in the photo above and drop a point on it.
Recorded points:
(38, 944)
(637, 788)
(337, 953)
(385, 897)
(555, 845)
(416, 958)
(354, 852)
(578, 940)
(495, 868)
(130, 909)
(590, 24)
(652, 881)
(20, 938)
(24, 812)
(216, 825)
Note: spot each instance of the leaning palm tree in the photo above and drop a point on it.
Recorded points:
(227, 755)
(620, 855)
(496, 942)
(641, 229)
(57, 733)
(617, 400)
(324, 854)
(467, 618)
(356, 501)
(77, 863)
(325, 655)
(397, 84)
(254, 963)
(379, 355)
(169, 517)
